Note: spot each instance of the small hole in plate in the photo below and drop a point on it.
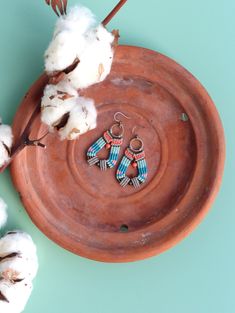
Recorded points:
(124, 228)
(184, 117)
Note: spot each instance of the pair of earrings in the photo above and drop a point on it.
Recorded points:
(134, 154)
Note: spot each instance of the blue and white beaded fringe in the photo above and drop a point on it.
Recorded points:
(92, 157)
(124, 180)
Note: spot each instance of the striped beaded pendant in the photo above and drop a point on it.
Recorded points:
(136, 158)
(109, 141)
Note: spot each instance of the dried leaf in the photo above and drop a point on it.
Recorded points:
(65, 97)
(100, 70)
(72, 67)
(73, 131)
(116, 35)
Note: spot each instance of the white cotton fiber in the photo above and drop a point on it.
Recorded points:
(69, 38)
(54, 103)
(18, 267)
(17, 241)
(82, 112)
(26, 260)
(3, 213)
(82, 118)
(95, 61)
(6, 139)
(17, 296)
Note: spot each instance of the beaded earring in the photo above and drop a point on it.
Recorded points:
(134, 155)
(112, 139)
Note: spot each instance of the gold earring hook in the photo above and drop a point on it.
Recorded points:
(117, 120)
(133, 130)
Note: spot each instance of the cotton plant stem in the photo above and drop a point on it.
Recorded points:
(24, 140)
(110, 16)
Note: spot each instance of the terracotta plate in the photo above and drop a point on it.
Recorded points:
(85, 210)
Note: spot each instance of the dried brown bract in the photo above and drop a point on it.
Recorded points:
(59, 6)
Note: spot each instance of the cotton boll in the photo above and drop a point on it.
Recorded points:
(3, 213)
(95, 61)
(61, 99)
(24, 259)
(6, 139)
(69, 39)
(82, 118)
(16, 296)
(56, 102)
(17, 241)
(18, 253)
(18, 266)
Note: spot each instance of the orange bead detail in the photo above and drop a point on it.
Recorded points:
(134, 164)
(108, 146)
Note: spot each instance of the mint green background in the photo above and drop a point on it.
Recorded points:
(198, 275)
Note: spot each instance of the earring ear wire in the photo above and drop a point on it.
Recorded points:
(133, 130)
(119, 121)
(109, 140)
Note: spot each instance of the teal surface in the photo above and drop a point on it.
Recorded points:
(196, 276)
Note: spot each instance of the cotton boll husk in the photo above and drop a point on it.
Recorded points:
(53, 107)
(17, 294)
(6, 138)
(3, 213)
(95, 61)
(82, 119)
(69, 38)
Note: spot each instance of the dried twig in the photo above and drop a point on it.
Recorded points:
(24, 140)
(113, 12)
